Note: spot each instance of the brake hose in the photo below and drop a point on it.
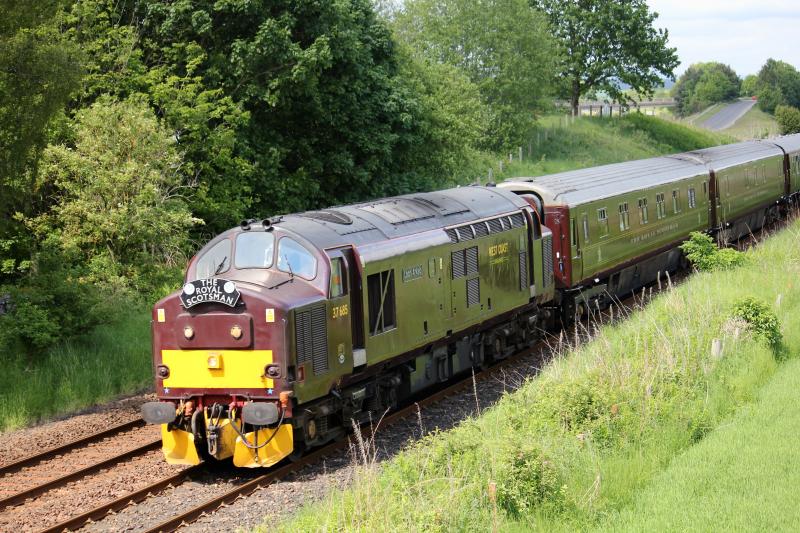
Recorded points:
(244, 439)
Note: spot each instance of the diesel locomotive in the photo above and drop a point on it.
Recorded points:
(290, 329)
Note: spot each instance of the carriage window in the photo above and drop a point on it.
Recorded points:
(692, 199)
(643, 217)
(585, 227)
(676, 201)
(295, 259)
(215, 261)
(338, 286)
(661, 207)
(705, 190)
(254, 250)
(602, 218)
(624, 221)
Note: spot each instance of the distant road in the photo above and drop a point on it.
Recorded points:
(728, 115)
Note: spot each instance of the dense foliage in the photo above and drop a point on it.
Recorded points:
(504, 48)
(605, 44)
(778, 84)
(704, 84)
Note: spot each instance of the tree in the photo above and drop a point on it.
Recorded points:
(778, 83)
(749, 85)
(38, 73)
(122, 195)
(503, 47)
(788, 118)
(704, 84)
(277, 106)
(608, 43)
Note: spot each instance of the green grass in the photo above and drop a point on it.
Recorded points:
(111, 361)
(579, 442)
(742, 477)
(588, 142)
(755, 124)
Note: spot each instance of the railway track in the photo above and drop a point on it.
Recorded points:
(188, 516)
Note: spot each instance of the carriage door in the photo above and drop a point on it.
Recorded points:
(577, 256)
(345, 334)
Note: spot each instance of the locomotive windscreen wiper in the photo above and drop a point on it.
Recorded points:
(291, 275)
(222, 264)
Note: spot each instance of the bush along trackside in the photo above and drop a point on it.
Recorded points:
(581, 439)
(704, 255)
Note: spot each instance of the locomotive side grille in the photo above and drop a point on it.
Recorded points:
(523, 271)
(451, 233)
(517, 220)
(472, 260)
(547, 259)
(311, 338)
(319, 340)
(473, 291)
(302, 334)
(480, 229)
(465, 233)
(459, 268)
(495, 226)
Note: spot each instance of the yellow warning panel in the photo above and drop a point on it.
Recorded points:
(217, 369)
(280, 446)
(178, 447)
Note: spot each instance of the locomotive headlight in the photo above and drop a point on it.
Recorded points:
(272, 371)
(214, 361)
(236, 332)
(188, 332)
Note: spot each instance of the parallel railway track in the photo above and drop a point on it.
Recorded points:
(186, 517)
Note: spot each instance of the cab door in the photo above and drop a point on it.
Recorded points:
(341, 341)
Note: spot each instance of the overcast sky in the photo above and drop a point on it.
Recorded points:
(740, 33)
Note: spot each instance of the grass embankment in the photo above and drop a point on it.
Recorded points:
(589, 142)
(742, 477)
(112, 360)
(600, 423)
(755, 124)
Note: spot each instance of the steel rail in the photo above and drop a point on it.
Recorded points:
(64, 448)
(77, 474)
(77, 522)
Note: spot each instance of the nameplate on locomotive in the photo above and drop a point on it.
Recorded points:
(214, 290)
(410, 274)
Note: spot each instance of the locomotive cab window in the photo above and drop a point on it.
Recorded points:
(215, 261)
(254, 250)
(692, 198)
(585, 223)
(661, 207)
(295, 259)
(381, 300)
(338, 280)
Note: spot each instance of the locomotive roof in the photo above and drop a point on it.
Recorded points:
(400, 216)
(790, 143)
(586, 185)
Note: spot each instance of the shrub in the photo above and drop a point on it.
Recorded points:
(763, 322)
(788, 118)
(528, 480)
(704, 255)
